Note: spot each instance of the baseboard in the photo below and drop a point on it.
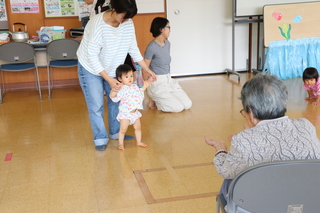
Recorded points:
(43, 84)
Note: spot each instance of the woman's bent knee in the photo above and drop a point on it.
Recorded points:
(188, 104)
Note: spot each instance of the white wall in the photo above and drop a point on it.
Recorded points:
(201, 37)
(150, 6)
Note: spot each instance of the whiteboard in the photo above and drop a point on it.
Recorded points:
(150, 6)
(254, 7)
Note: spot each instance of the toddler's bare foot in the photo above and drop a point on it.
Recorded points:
(152, 104)
(121, 147)
(143, 145)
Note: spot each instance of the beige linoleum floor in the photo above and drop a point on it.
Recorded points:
(55, 168)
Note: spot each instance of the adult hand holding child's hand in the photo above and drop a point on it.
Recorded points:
(115, 85)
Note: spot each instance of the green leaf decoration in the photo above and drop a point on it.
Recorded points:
(284, 27)
(282, 33)
(285, 31)
(288, 33)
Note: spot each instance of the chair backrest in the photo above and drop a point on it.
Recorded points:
(284, 186)
(63, 49)
(16, 52)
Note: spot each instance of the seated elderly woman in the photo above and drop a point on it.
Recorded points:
(271, 135)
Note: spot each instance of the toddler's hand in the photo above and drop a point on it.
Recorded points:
(146, 84)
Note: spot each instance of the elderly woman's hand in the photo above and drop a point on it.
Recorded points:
(217, 144)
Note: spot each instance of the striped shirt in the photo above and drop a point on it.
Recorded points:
(104, 47)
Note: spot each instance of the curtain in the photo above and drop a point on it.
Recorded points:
(288, 58)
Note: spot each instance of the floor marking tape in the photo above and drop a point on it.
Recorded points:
(8, 157)
(170, 169)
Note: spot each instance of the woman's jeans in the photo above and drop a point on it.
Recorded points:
(93, 88)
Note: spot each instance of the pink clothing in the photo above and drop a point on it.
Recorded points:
(314, 88)
(131, 98)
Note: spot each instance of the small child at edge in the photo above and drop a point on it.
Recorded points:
(131, 98)
(311, 82)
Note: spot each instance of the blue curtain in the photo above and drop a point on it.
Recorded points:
(288, 59)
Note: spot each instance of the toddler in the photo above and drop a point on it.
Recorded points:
(131, 98)
(312, 84)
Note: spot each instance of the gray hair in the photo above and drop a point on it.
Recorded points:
(266, 96)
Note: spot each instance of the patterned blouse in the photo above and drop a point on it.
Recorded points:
(270, 140)
(130, 97)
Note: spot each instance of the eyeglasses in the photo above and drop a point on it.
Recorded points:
(241, 113)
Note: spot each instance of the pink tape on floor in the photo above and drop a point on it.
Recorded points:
(8, 157)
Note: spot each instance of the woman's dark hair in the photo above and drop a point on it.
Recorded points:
(122, 69)
(310, 73)
(129, 7)
(100, 4)
(157, 25)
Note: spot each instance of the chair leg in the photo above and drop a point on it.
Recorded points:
(52, 83)
(217, 207)
(0, 95)
(35, 79)
(220, 204)
(49, 81)
(38, 82)
(2, 82)
(1, 86)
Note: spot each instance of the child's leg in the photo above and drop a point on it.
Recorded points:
(137, 132)
(124, 123)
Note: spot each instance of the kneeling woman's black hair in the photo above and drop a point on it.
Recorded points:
(310, 73)
(157, 25)
(125, 6)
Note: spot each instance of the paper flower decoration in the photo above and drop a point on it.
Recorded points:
(277, 16)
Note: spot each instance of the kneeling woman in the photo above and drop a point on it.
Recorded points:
(165, 93)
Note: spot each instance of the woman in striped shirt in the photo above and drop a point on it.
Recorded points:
(107, 39)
